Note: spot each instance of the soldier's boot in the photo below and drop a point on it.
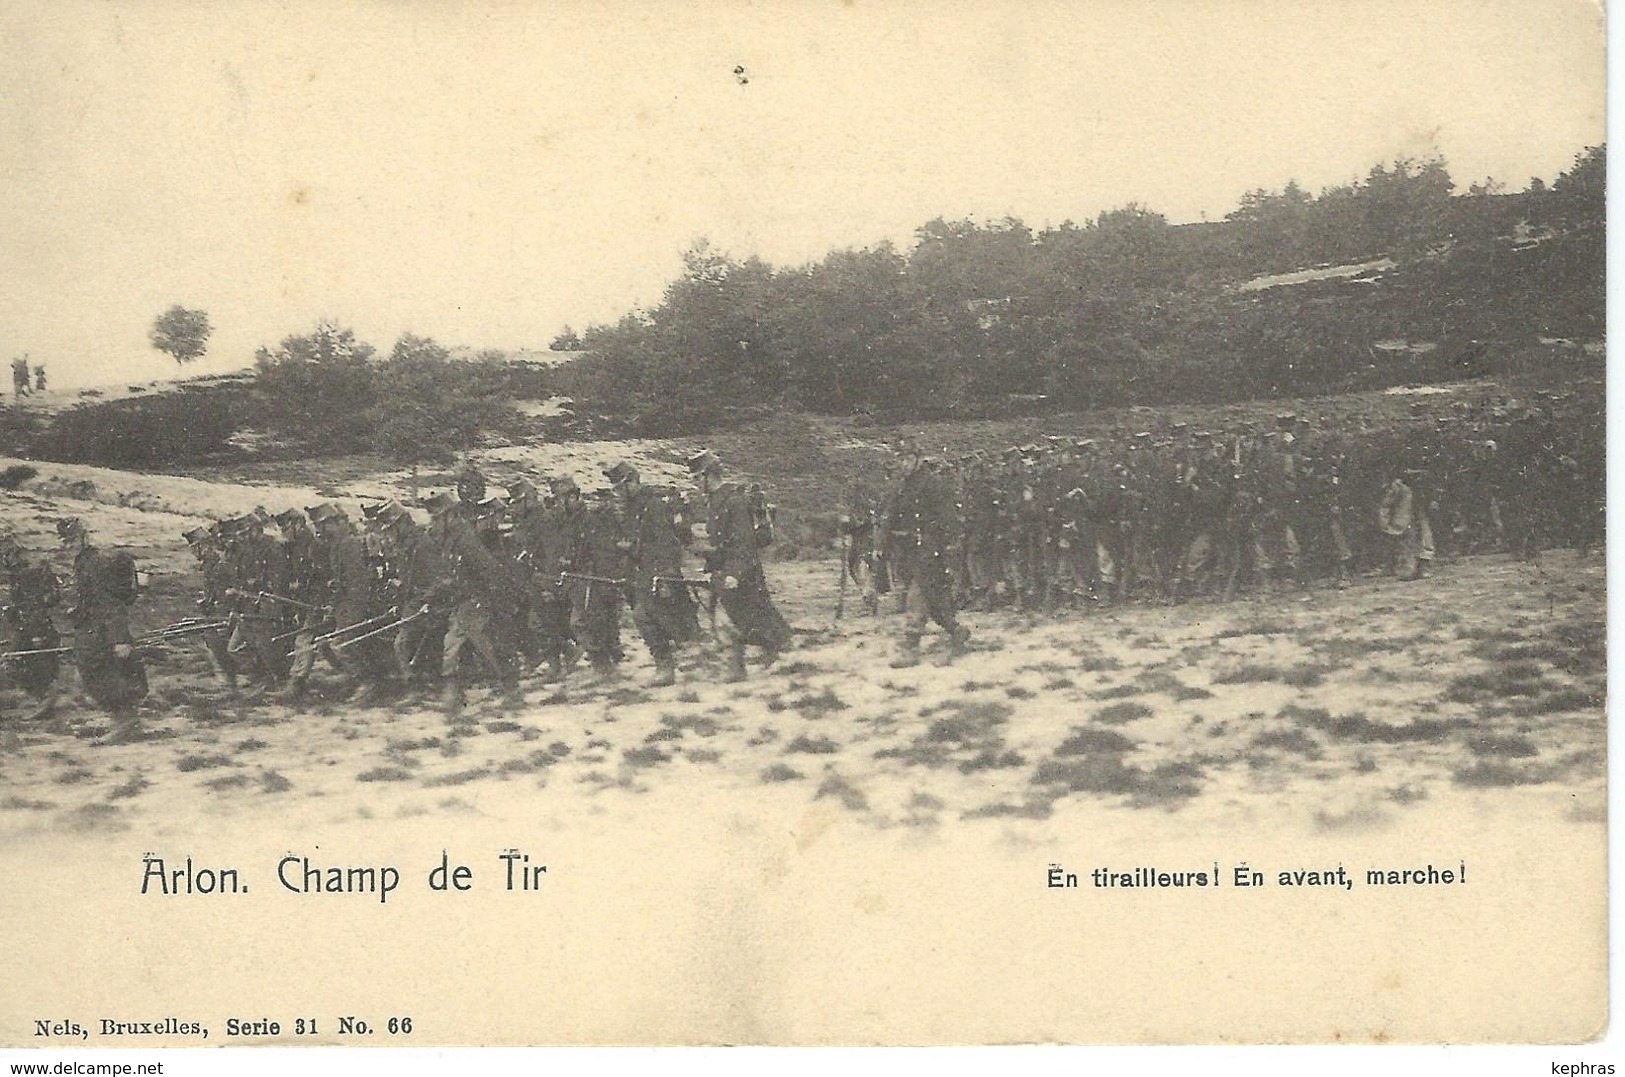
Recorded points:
(45, 710)
(554, 671)
(368, 694)
(126, 728)
(572, 654)
(908, 652)
(665, 673)
(736, 664)
(292, 692)
(451, 699)
(512, 697)
(958, 642)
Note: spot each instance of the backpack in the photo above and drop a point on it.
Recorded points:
(761, 517)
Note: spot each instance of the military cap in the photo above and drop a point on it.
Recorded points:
(69, 525)
(1180, 428)
(246, 522)
(440, 501)
(1029, 449)
(325, 511)
(1052, 439)
(1143, 436)
(470, 485)
(620, 473)
(562, 484)
(289, 517)
(264, 517)
(703, 461)
(196, 535)
(389, 512)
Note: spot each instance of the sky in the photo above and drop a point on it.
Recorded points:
(488, 173)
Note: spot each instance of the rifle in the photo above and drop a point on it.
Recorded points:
(379, 631)
(680, 581)
(188, 627)
(37, 650)
(326, 636)
(589, 579)
(846, 553)
(276, 598)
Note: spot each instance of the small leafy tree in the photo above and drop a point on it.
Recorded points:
(182, 333)
(429, 407)
(319, 387)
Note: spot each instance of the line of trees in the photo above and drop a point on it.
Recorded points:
(1123, 308)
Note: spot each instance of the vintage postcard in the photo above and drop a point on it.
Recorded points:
(802, 523)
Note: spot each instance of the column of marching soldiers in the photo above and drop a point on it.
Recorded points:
(1079, 523)
(488, 587)
(536, 580)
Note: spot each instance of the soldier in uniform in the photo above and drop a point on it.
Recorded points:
(598, 580)
(26, 625)
(734, 559)
(412, 566)
(307, 577)
(259, 568)
(358, 607)
(466, 580)
(548, 535)
(1403, 518)
(927, 509)
(110, 670)
(662, 605)
(213, 604)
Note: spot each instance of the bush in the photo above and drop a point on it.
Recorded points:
(168, 428)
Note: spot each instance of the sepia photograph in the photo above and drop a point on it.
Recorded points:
(784, 523)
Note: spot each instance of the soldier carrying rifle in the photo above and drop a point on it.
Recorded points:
(26, 629)
(662, 603)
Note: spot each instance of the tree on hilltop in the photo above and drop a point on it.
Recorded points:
(181, 333)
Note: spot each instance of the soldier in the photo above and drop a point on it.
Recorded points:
(411, 565)
(662, 605)
(19, 376)
(213, 604)
(307, 578)
(358, 607)
(734, 560)
(39, 377)
(598, 578)
(110, 670)
(259, 568)
(26, 625)
(1403, 518)
(466, 579)
(926, 507)
(548, 535)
